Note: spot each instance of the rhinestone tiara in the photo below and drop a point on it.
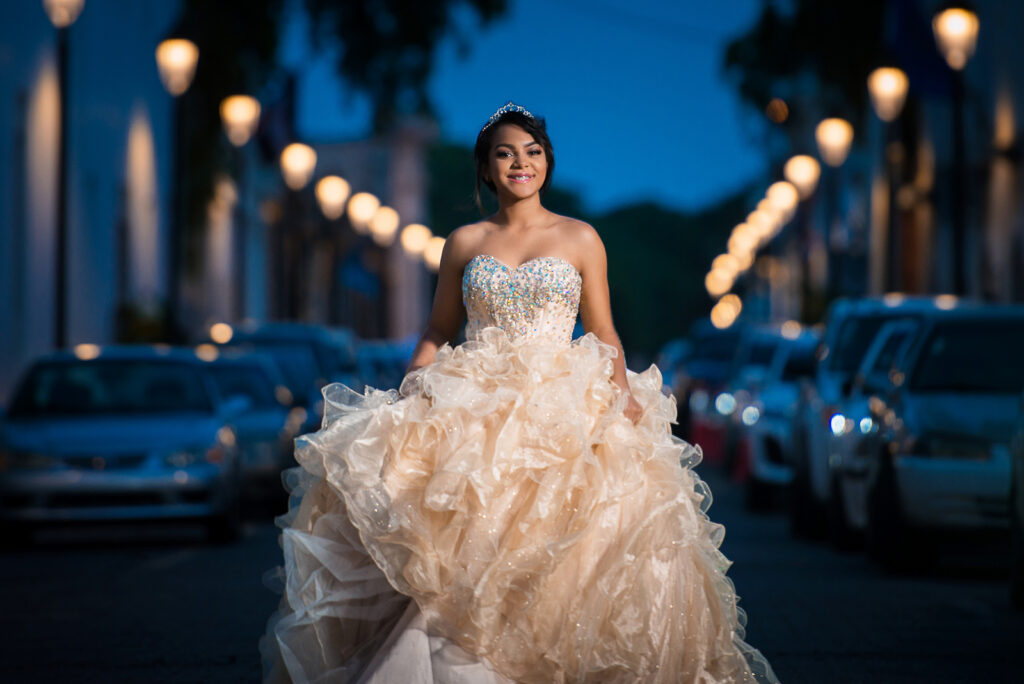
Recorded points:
(509, 106)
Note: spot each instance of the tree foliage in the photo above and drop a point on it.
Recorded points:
(388, 46)
(820, 51)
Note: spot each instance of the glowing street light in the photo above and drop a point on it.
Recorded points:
(297, 164)
(361, 209)
(888, 89)
(803, 172)
(240, 115)
(63, 13)
(956, 34)
(414, 238)
(331, 194)
(718, 281)
(176, 60)
(834, 137)
(384, 226)
(432, 253)
(784, 197)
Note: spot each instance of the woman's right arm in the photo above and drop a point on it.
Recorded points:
(447, 312)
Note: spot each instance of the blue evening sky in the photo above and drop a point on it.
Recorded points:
(633, 93)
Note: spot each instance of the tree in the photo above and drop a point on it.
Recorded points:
(388, 46)
(818, 57)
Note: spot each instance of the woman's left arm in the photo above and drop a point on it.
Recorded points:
(596, 310)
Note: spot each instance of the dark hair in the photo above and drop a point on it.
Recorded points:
(535, 126)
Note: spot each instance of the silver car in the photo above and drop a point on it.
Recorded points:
(940, 463)
(114, 434)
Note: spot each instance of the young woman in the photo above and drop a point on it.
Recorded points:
(520, 510)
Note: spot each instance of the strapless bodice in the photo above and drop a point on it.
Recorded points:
(537, 299)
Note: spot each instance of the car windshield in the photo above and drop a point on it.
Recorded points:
(981, 356)
(852, 340)
(296, 361)
(248, 381)
(111, 387)
(760, 352)
(719, 346)
(800, 363)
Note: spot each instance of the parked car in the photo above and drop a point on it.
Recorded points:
(768, 419)
(850, 327)
(382, 363)
(852, 428)
(119, 433)
(699, 380)
(940, 463)
(266, 430)
(1016, 510)
(735, 404)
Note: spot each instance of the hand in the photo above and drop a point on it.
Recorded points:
(633, 410)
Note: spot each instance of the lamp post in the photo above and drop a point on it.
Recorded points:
(176, 60)
(63, 14)
(240, 114)
(803, 171)
(332, 192)
(888, 87)
(834, 137)
(298, 161)
(956, 35)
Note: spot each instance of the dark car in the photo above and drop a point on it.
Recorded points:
(120, 433)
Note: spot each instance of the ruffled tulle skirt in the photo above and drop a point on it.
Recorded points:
(500, 520)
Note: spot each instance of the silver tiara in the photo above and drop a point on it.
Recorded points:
(509, 106)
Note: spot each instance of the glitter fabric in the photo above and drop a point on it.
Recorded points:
(538, 299)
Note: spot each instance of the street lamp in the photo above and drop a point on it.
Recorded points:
(803, 172)
(176, 60)
(240, 114)
(414, 238)
(956, 34)
(62, 14)
(834, 137)
(361, 209)
(297, 164)
(331, 194)
(384, 226)
(888, 89)
(432, 253)
(298, 161)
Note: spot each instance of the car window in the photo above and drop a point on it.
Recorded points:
(800, 363)
(248, 381)
(111, 386)
(886, 356)
(971, 356)
(720, 346)
(852, 340)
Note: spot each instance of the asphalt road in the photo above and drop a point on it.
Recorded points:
(160, 605)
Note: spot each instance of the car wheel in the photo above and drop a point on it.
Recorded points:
(757, 495)
(1016, 557)
(15, 536)
(805, 520)
(840, 534)
(889, 541)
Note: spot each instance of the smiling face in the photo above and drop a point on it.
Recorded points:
(517, 165)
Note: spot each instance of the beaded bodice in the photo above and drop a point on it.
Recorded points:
(538, 299)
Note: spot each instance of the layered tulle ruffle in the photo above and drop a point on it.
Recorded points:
(532, 524)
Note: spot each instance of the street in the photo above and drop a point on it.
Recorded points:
(181, 610)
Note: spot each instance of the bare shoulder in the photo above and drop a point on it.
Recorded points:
(584, 238)
(463, 242)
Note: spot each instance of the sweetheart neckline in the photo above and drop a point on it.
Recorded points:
(528, 261)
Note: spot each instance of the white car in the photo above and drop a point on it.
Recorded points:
(769, 418)
(851, 326)
(940, 463)
(852, 427)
